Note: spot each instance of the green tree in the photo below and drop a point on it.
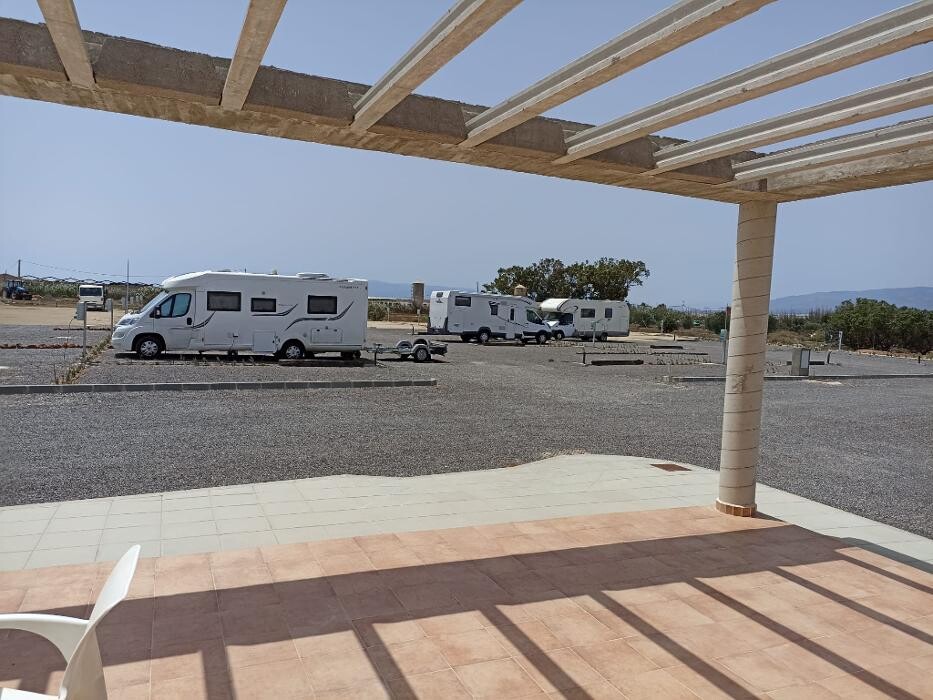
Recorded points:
(868, 323)
(607, 278)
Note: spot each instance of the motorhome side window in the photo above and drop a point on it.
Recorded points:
(493, 308)
(587, 313)
(462, 301)
(261, 305)
(608, 313)
(223, 301)
(175, 306)
(511, 314)
(322, 305)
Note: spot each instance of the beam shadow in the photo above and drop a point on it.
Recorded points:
(332, 599)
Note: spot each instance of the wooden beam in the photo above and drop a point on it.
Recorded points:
(843, 149)
(899, 96)
(910, 166)
(883, 35)
(463, 23)
(670, 29)
(62, 20)
(262, 16)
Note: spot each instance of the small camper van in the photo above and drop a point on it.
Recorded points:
(485, 316)
(289, 316)
(602, 317)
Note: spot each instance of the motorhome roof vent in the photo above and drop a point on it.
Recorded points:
(313, 275)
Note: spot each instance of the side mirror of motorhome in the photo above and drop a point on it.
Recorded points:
(157, 312)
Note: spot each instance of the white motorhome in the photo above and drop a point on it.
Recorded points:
(92, 295)
(603, 317)
(289, 316)
(485, 316)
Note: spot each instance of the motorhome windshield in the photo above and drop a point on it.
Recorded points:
(90, 291)
(157, 299)
(562, 318)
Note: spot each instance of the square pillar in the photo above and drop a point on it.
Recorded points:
(745, 365)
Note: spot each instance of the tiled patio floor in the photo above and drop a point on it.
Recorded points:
(670, 603)
(282, 512)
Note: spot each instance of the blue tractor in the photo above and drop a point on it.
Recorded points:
(16, 289)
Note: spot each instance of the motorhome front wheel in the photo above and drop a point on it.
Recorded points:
(148, 348)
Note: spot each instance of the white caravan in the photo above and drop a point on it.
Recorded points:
(92, 295)
(289, 316)
(485, 316)
(585, 317)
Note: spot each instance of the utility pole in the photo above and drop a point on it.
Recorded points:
(19, 264)
(126, 299)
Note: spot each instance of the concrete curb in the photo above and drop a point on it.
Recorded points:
(213, 386)
(671, 379)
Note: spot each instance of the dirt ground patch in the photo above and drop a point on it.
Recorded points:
(30, 315)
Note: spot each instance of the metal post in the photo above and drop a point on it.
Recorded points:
(84, 343)
(126, 299)
(839, 346)
(748, 331)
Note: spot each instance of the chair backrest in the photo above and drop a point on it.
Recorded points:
(83, 678)
(117, 585)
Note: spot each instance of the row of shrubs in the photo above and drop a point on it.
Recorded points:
(865, 323)
(56, 289)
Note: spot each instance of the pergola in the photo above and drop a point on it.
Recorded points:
(59, 62)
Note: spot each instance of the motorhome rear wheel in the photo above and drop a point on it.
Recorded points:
(293, 350)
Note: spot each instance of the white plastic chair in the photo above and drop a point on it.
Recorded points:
(76, 639)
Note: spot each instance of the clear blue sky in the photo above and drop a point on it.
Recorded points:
(87, 190)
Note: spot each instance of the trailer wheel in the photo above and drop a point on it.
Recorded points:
(421, 353)
(483, 336)
(558, 335)
(541, 338)
(293, 350)
(464, 338)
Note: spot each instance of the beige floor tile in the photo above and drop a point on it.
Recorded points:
(470, 647)
(502, 678)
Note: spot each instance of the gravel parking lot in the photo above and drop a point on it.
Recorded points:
(859, 445)
(40, 365)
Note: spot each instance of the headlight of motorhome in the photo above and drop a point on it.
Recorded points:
(124, 321)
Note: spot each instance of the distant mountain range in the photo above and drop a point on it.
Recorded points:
(917, 297)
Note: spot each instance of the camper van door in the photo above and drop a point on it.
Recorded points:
(173, 319)
(222, 322)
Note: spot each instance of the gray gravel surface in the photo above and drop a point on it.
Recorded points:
(39, 366)
(864, 446)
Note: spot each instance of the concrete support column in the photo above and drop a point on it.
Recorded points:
(748, 339)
